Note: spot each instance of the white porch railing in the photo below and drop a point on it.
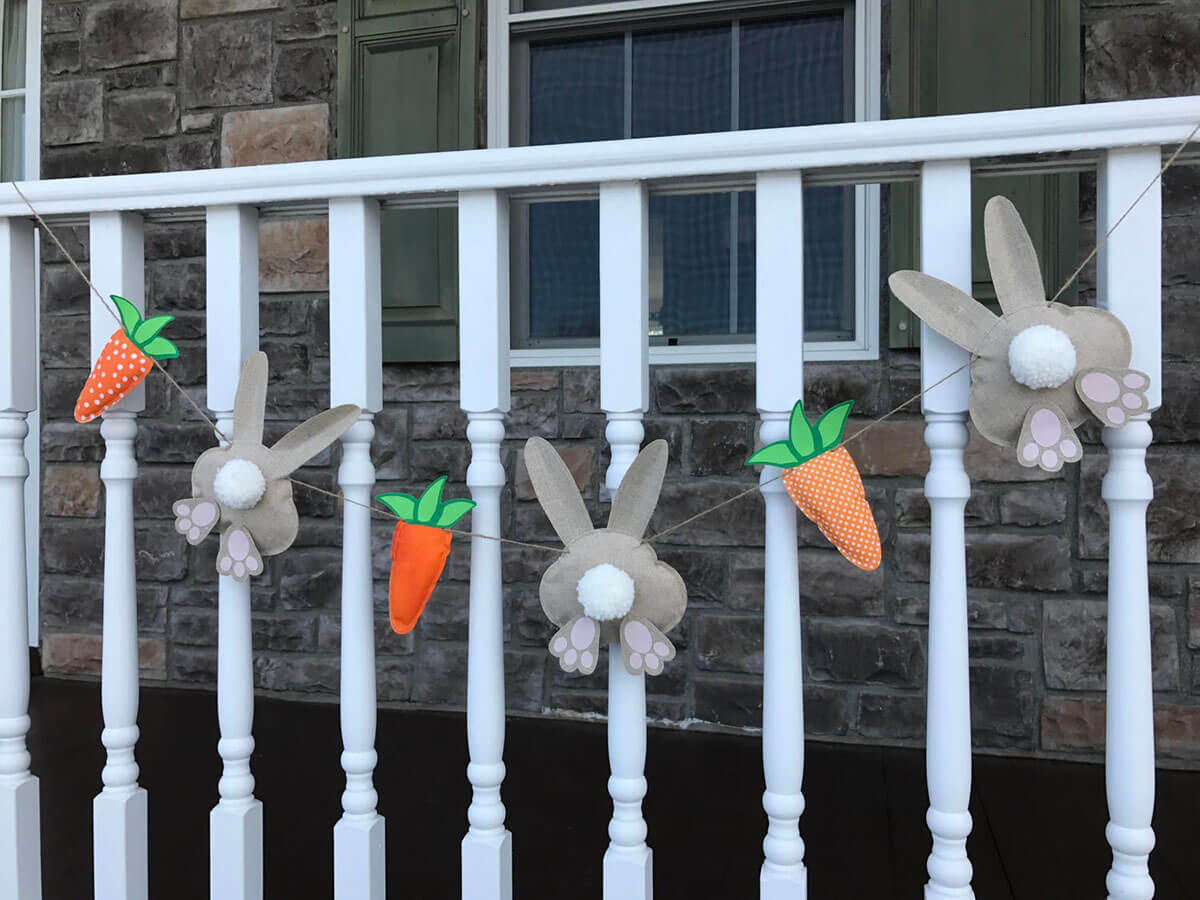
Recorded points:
(1123, 141)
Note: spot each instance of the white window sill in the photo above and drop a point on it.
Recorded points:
(696, 354)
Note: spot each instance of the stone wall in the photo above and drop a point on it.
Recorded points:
(124, 95)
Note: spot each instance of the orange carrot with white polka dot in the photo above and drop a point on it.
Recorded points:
(125, 360)
(823, 481)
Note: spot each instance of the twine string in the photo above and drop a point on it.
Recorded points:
(387, 513)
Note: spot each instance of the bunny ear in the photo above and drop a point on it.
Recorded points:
(250, 402)
(638, 494)
(556, 490)
(956, 316)
(1011, 258)
(309, 438)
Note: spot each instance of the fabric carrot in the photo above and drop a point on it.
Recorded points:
(420, 545)
(823, 481)
(125, 360)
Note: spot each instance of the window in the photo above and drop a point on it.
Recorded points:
(17, 68)
(659, 69)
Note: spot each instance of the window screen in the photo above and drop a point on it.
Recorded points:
(719, 76)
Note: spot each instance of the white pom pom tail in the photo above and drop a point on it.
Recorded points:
(605, 592)
(1041, 356)
(239, 484)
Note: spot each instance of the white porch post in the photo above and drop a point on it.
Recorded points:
(356, 376)
(779, 374)
(20, 827)
(235, 823)
(485, 384)
(624, 396)
(119, 812)
(946, 254)
(1129, 284)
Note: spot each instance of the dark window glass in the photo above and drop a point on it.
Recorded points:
(743, 75)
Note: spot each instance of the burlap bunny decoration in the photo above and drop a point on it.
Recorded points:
(1042, 367)
(608, 586)
(244, 487)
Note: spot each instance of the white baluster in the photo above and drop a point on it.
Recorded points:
(946, 254)
(624, 396)
(485, 384)
(779, 274)
(356, 376)
(624, 322)
(20, 827)
(1129, 283)
(119, 812)
(235, 823)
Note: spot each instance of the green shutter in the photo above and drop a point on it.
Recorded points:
(406, 84)
(950, 56)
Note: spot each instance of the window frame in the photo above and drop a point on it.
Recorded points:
(503, 25)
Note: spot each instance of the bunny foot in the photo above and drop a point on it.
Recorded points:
(238, 556)
(644, 647)
(195, 518)
(576, 646)
(1047, 439)
(1113, 395)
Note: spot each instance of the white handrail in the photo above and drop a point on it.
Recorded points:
(841, 146)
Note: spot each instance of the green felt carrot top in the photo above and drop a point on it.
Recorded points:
(428, 509)
(805, 441)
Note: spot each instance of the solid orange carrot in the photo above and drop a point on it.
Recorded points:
(418, 555)
(420, 545)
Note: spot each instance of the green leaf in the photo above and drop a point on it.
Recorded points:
(800, 433)
(130, 317)
(160, 348)
(452, 511)
(403, 505)
(149, 328)
(776, 454)
(427, 506)
(832, 423)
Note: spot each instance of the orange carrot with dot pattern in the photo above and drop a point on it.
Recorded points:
(125, 360)
(820, 476)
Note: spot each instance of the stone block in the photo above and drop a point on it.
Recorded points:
(912, 509)
(532, 415)
(192, 153)
(1029, 506)
(1152, 54)
(174, 241)
(227, 62)
(875, 654)
(1181, 323)
(70, 442)
(430, 460)
(60, 55)
(163, 75)
(71, 491)
(129, 32)
(141, 115)
(1172, 520)
(422, 382)
(828, 384)
(580, 460)
(285, 134)
(194, 665)
(69, 603)
(446, 615)
(172, 442)
(892, 448)
(1194, 615)
(193, 628)
(1074, 645)
(1072, 725)
(293, 254)
(581, 390)
(64, 292)
(707, 389)
(59, 18)
(1177, 731)
(194, 9)
(65, 346)
(1002, 706)
(1033, 562)
(114, 159)
(704, 572)
(310, 578)
(307, 24)
(1178, 420)
(304, 73)
(438, 422)
(729, 644)
(291, 633)
(305, 674)
(534, 379)
(719, 446)
(72, 112)
(65, 653)
(191, 123)
(735, 524)
(722, 701)
(891, 716)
